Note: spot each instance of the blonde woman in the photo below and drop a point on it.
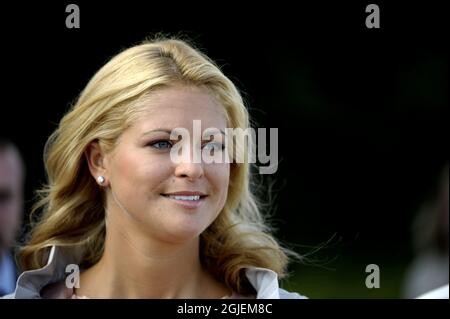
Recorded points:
(133, 221)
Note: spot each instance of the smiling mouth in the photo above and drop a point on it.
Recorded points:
(185, 197)
(186, 200)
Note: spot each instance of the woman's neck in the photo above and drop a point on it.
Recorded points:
(137, 267)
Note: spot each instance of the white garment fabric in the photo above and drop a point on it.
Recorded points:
(30, 283)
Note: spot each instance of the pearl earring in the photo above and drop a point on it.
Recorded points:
(100, 180)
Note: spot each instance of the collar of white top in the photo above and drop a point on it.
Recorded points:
(30, 283)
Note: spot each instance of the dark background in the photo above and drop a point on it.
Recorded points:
(362, 113)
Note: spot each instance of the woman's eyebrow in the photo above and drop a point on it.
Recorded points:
(175, 131)
(158, 130)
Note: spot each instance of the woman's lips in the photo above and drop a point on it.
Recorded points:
(186, 200)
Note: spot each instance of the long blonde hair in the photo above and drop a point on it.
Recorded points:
(72, 204)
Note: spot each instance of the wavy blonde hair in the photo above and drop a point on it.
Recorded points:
(72, 204)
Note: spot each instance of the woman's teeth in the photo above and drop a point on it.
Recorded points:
(181, 197)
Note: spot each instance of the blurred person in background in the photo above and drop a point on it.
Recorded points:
(11, 204)
(430, 269)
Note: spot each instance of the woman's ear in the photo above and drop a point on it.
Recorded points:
(96, 160)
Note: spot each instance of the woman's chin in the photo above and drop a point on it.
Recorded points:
(183, 232)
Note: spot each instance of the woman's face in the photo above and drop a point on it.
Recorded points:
(165, 199)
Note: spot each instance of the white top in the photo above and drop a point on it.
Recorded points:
(31, 282)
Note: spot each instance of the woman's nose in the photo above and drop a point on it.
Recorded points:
(189, 170)
(190, 166)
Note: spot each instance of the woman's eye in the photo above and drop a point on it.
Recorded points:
(161, 144)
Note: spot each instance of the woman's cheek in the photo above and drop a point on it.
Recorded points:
(222, 180)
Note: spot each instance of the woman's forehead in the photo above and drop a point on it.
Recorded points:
(179, 107)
